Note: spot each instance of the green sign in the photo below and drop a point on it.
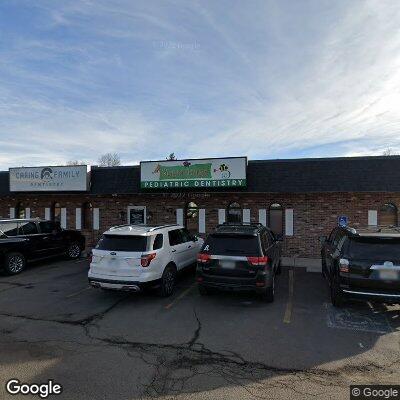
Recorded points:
(180, 172)
(197, 174)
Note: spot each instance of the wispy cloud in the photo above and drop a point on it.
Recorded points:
(264, 78)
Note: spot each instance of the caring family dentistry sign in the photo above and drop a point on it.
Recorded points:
(45, 179)
(201, 173)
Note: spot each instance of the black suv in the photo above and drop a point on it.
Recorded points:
(362, 263)
(239, 257)
(23, 240)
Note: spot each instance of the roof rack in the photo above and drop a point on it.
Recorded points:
(249, 224)
(240, 228)
(148, 228)
(374, 230)
(154, 228)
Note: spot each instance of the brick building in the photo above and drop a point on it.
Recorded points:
(301, 199)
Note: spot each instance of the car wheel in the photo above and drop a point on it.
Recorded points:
(14, 263)
(168, 280)
(336, 297)
(203, 290)
(268, 294)
(73, 251)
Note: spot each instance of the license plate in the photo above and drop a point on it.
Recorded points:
(228, 264)
(389, 274)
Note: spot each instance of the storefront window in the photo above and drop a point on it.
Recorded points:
(56, 212)
(234, 213)
(86, 215)
(20, 210)
(388, 215)
(276, 218)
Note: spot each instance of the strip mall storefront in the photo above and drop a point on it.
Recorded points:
(299, 199)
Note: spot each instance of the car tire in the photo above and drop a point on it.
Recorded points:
(203, 290)
(336, 297)
(14, 263)
(268, 294)
(168, 281)
(73, 251)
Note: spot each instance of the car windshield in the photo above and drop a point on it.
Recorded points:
(386, 249)
(234, 245)
(122, 243)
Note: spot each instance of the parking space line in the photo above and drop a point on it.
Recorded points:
(77, 293)
(181, 296)
(289, 306)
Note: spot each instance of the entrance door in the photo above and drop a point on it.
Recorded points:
(192, 217)
(137, 215)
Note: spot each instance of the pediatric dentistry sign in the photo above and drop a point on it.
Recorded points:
(45, 179)
(200, 173)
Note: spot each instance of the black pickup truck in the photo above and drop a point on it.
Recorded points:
(24, 240)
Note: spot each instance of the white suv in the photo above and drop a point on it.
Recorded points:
(133, 257)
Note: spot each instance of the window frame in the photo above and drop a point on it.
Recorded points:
(154, 241)
(234, 206)
(178, 230)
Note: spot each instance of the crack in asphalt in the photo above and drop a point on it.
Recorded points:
(178, 367)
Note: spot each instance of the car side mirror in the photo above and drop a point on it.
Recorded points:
(323, 239)
(195, 238)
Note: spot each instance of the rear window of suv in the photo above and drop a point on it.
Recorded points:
(232, 245)
(385, 249)
(122, 243)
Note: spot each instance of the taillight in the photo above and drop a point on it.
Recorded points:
(145, 260)
(343, 265)
(257, 260)
(203, 258)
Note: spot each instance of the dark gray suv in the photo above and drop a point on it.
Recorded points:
(240, 257)
(362, 263)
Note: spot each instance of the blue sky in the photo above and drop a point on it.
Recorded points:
(266, 79)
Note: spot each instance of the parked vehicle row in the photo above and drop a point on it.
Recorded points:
(357, 263)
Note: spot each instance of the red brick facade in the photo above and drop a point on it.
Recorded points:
(314, 214)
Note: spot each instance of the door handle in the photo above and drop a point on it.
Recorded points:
(173, 251)
(189, 247)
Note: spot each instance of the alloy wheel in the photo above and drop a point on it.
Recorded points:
(169, 281)
(16, 264)
(74, 251)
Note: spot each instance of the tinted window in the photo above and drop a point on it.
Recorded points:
(186, 236)
(158, 242)
(265, 243)
(47, 226)
(9, 228)
(374, 249)
(332, 236)
(234, 245)
(175, 237)
(28, 228)
(122, 243)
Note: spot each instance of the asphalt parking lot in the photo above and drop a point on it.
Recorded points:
(111, 345)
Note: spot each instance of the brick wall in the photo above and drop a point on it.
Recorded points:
(314, 214)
